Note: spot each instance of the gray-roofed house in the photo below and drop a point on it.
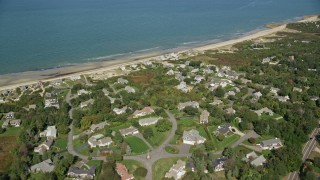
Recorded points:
(250, 156)
(218, 164)
(193, 104)
(259, 161)
(50, 132)
(95, 127)
(204, 117)
(145, 111)
(130, 89)
(76, 172)
(183, 87)
(129, 131)
(43, 147)
(149, 121)
(53, 102)
(120, 110)
(122, 81)
(223, 129)
(264, 110)
(192, 137)
(83, 91)
(177, 170)
(271, 144)
(45, 166)
(86, 103)
(99, 140)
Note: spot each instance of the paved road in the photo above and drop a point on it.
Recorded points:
(159, 152)
(250, 134)
(307, 149)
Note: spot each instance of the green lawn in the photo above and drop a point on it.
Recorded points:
(132, 165)
(96, 163)
(136, 145)
(158, 137)
(61, 142)
(162, 166)
(76, 143)
(171, 150)
(186, 122)
(203, 132)
(11, 131)
(226, 142)
(175, 139)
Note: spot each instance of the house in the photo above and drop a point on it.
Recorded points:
(122, 81)
(224, 129)
(250, 156)
(99, 140)
(45, 166)
(149, 121)
(123, 172)
(183, 87)
(75, 77)
(145, 111)
(2, 100)
(177, 170)
(15, 122)
(50, 132)
(204, 117)
(216, 102)
(218, 164)
(282, 98)
(192, 137)
(99, 126)
(259, 161)
(230, 110)
(193, 104)
(297, 89)
(191, 165)
(75, 172)
(264, 110)
(120, 111)
(271, 144)
(57, 82)
(52, 102)
(43, 147)
(83, 91)
(9, 115)
(199, 78)
(105, 92)
(170, 72)
(274, 90)
(129, 131)
(257, 95)
(86, 103)
(129, 89)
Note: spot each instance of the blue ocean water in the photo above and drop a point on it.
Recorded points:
(41, 34)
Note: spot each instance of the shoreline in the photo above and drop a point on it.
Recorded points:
(14, 80)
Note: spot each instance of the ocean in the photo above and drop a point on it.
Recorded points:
(43, 34)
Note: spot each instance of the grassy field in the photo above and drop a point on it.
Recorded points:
(7, 144)
(158, 137)
(162, 166)
(132, 165)
(61, 142)
(136, 145)
(227, 141)
(171, 149)
(203, 132)
(11, 131)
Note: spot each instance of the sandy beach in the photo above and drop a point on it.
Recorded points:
(10, 81)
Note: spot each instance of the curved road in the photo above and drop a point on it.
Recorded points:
(159, 152)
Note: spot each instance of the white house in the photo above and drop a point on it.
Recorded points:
(129, 131)
(271, 144)
(120, 111)
(46, 166)
(192, 137)
(50, 132)
(194, 104)
(149, 121)
(83, 91)
(145, 111)
(177, 170)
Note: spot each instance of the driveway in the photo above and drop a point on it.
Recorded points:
(159, 152)
(250, 134)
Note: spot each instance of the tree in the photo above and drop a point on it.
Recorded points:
(209, 145)
(191, 110)
(140, 172)
(316, 161)
(220, 137)
(219, 92)
(163, 126)
(2, 130)
(118, 137)
(252, 140)
(148, 133)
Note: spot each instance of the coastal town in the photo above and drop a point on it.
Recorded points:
(250, 111)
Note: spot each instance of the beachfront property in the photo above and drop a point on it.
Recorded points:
(177, 170)
(204, 117)
(86, 103)
(218, 164)
(123, 172)
(77, 173)
(145, 111)
(75, 77)
(264, 110)
(43, 147)
(149, 121)
(193, 104)
(51, 102)
(50, 132)
(192, 137)
(271, 144)
(119, 111)
(99, 126)
(46, 166)
(99, 140)
(128, 131)
(223, 129)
